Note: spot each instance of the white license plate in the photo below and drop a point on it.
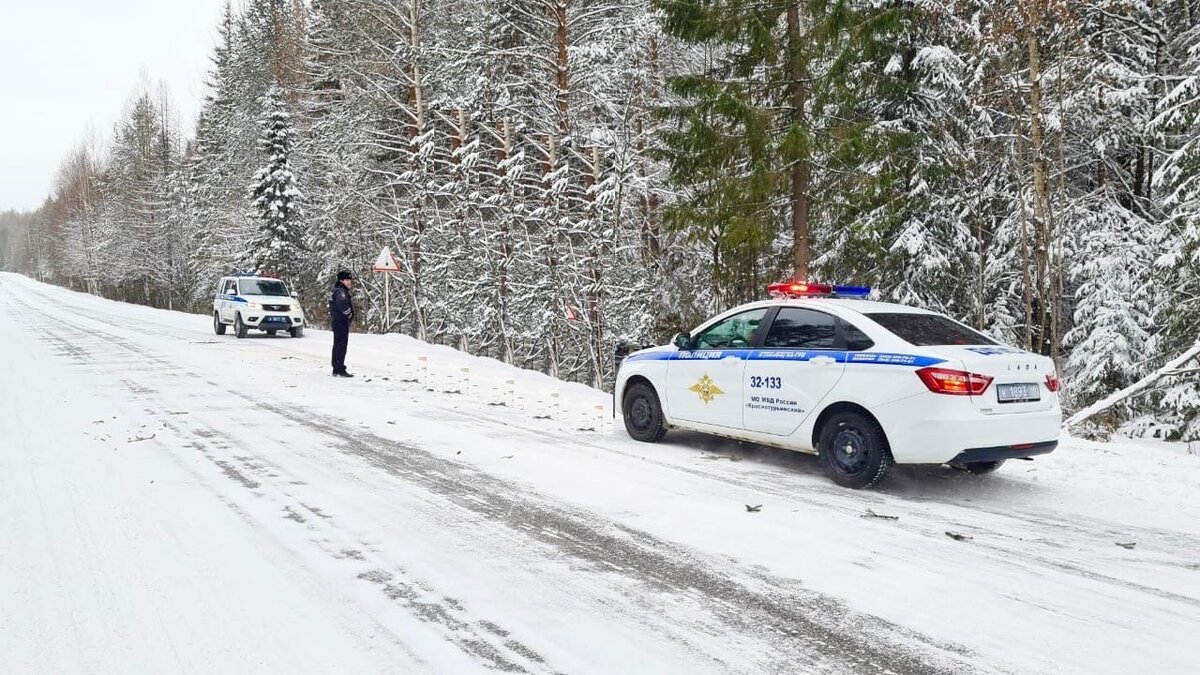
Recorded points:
(1014, 393)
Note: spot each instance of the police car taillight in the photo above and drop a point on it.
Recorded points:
(1052, 382)
(804, 289)
(954, 382)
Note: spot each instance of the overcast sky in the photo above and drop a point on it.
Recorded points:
(69, 66)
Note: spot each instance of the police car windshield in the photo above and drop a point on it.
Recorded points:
(262, 287)
(929, 330)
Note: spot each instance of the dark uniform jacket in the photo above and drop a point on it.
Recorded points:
(341, 307)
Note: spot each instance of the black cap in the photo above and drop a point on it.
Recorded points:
(345, 274)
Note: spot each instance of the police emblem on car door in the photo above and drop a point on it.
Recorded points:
(707, 389)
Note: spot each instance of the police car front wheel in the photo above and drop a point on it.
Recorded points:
(854, 451)
(643, 413)
(218, 327)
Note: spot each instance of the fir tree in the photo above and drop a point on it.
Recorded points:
(760, 127)
(280, 244)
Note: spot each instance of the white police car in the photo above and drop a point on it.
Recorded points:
(247, 302)
(862, 384)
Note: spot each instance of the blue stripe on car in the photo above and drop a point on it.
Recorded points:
(868, 358)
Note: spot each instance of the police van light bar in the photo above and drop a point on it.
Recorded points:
(803, 289)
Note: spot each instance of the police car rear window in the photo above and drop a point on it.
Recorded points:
(929, 330)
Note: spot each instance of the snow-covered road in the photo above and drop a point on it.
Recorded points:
(174, 501)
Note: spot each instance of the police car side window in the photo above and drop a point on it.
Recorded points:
(230, 287)
(856, 340)
(801, 329)
(736, 332)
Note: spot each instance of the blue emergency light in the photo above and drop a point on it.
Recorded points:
(852, 291)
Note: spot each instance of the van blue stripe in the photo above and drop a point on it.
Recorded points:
(866, 358)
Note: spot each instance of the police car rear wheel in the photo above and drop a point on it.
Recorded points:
(853, 450)
(239, 328)
(643, 413)
(218, 327)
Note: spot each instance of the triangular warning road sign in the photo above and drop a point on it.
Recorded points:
(386, 261)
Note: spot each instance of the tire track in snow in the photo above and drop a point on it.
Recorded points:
(1009, 536)
(810, 629)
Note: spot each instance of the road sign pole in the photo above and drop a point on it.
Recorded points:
(387, 264)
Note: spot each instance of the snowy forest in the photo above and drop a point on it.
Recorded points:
(555, 176)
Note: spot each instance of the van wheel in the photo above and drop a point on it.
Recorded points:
(239, 328)
(853, 450)
(218, 327)
(643, 413)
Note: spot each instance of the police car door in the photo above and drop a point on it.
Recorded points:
(231, 305)
(704, 384)
(799, 363)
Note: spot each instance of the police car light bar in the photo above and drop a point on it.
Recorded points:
(803, 289)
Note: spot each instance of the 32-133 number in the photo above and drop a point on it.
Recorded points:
(766, 382)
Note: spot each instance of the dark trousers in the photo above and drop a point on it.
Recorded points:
(341, 336)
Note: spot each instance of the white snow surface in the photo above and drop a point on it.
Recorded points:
(174, 501)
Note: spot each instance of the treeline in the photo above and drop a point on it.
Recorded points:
(555, 175)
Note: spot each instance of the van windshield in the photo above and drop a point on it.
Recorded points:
(262, 287)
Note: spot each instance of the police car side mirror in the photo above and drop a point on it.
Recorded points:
(683, 341)
(295, 295)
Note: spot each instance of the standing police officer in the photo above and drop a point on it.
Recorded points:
(341, 313)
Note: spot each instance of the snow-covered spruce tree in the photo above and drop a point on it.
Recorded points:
(1114, 301)
(1176, 413)
(280, 244)
(334, 124)
(901, 218)
(245, 63)
(131, 237)
(1110, 226)
(208, 168)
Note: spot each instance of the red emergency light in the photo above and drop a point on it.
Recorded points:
(798, 289)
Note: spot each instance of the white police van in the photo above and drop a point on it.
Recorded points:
(247, 301)
(861, 384)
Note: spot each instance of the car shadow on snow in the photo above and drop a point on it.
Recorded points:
(912, 481)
